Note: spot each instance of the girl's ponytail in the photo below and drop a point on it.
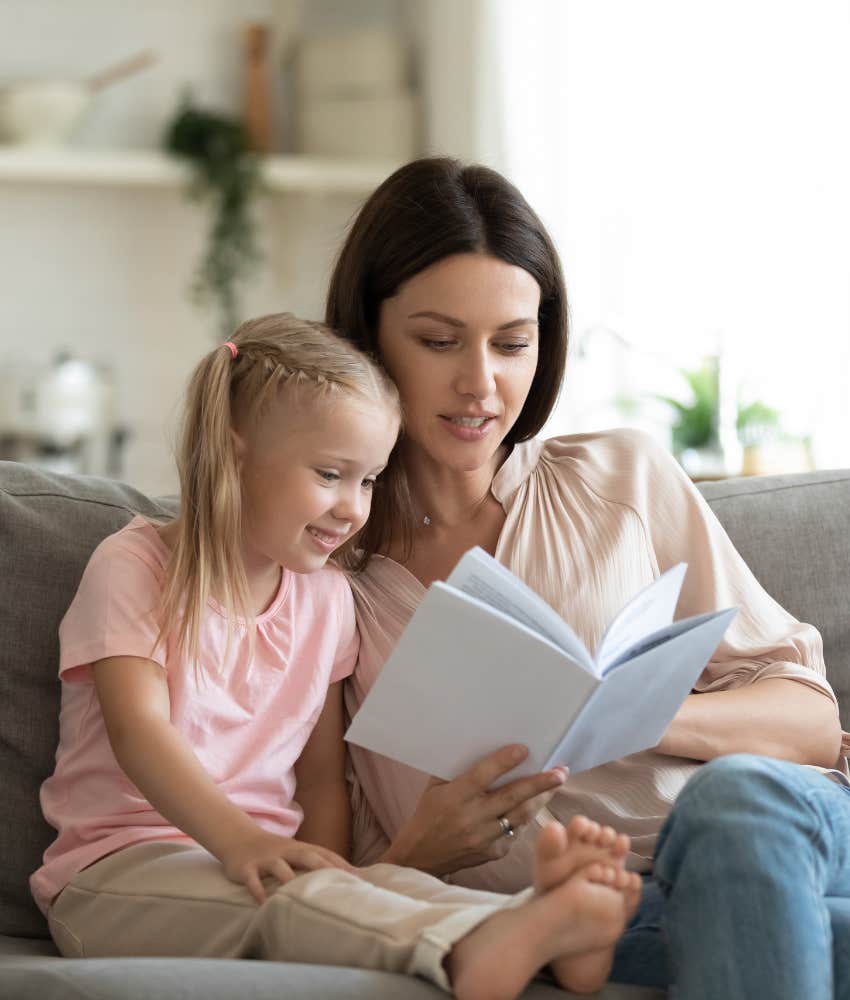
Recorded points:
(207, 555)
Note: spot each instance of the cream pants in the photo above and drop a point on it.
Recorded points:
(173, 899)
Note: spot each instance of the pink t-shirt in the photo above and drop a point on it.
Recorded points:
(247, 721)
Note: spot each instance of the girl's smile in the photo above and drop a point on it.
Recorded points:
(328, 541)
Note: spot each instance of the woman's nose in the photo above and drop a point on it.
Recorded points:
(475, 375)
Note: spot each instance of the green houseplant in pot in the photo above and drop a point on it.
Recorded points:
(225, 178)
(695, 423)
(695, 430)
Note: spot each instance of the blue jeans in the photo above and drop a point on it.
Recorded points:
(750, 895)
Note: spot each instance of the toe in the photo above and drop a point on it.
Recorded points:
(577, 828)
(552, 842)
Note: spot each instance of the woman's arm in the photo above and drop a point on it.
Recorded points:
(321, 789)
(774, 717)
(134, 699)
(764, 690)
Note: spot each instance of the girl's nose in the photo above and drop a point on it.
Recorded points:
(352, 505)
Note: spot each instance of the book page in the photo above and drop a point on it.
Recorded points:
(648, 642)
(464, 680)
(648, 611)
(483, 577)
(633, 706)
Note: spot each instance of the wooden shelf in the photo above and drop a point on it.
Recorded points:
(150, 168)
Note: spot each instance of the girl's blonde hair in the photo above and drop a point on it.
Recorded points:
(274, 353)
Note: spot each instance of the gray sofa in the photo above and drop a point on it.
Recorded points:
(794, 531)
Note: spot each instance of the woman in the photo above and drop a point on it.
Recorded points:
(449, 277)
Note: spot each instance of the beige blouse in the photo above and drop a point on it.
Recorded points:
(590, 520)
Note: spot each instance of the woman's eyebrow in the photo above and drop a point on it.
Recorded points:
(518, 322)
(451, 321)
(441, 317)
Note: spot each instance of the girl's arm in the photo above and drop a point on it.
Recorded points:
(321, 788)
(134, 699)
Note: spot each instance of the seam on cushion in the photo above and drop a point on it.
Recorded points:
(88, 500)
(34, 494)
(776, 489)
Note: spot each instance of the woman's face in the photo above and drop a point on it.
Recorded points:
(460, 340)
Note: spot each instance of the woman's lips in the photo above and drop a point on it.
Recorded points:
(468, 428)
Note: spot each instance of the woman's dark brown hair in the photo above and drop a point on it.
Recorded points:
(427, 210)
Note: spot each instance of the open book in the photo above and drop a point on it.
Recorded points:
(484, 662)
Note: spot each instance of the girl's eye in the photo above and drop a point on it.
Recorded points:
(368, 484)
(513, 347)
(435, 345)
(327, 475)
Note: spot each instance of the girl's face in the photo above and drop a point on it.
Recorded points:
(307, 470)
(460, 340)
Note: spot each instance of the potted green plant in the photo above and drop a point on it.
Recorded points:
(226, 178)
(695, 424)
(695, 429)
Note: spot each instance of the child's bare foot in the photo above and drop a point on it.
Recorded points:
(588, 972)
(577, 909)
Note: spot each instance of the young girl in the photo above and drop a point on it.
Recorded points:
(201, 665)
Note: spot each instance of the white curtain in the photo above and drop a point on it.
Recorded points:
(692, 160)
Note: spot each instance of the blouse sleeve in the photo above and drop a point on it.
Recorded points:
(763, 639)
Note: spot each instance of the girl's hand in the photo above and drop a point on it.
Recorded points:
(456, 823)
(268, 854)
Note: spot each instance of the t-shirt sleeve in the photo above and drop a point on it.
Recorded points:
(763, 640)
(114, 612)
(349, 637)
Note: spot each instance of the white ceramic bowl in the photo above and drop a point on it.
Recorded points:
(42, 112)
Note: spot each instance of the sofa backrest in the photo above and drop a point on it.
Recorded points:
(794, 531)
(49, 526)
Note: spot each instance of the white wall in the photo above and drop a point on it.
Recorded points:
(104, 272)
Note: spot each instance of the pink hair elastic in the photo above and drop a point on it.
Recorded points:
(234, 350)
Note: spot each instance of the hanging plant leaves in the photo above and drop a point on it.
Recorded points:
(225, 176)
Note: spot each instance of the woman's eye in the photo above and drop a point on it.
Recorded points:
(327, 475)
(368, 484)
(435, 345)
(513, 347)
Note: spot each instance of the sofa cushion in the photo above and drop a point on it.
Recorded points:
(223, 979)
(49, 526)
(794, 533)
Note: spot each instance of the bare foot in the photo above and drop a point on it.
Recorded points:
(578, 910)
(588, 972)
